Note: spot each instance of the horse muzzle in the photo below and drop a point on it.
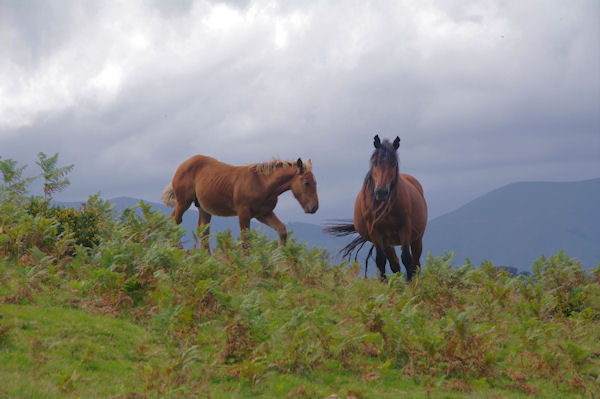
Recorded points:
(381, 193)
(311, 208)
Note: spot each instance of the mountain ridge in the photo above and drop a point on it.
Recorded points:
(516, 223)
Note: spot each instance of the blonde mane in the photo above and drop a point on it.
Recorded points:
(266, 168)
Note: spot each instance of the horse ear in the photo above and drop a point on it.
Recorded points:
(300, 165)
(376, 141)
(396, 143)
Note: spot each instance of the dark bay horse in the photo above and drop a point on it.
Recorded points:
(250, 191)
(390, 210)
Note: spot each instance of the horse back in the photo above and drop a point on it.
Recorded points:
(185, 175)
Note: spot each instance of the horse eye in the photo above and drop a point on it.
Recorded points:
(306, 183)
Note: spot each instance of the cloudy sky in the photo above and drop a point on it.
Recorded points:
(482, 93)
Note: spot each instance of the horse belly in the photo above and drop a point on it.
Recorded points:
(392, 234)
(216, 206)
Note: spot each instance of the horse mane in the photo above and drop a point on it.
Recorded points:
(267, 168)
(386, 154)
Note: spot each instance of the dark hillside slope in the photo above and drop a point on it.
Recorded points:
(515, 224)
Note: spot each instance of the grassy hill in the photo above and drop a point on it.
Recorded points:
(98, 303)
(94, 304)
(511, 226)
(517, 223)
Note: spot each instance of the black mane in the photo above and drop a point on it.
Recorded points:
(385, 154)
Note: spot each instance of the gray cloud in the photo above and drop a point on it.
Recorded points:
(482, 94)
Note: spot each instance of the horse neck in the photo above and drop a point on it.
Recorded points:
(280, 180)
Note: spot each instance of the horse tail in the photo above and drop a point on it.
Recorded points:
(353, 245)
(168, 196)
(345, 228)
(339, 228)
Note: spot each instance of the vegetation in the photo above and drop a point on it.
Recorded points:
(129, 314)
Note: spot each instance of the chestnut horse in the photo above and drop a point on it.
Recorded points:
(390, 210)
(250, 191)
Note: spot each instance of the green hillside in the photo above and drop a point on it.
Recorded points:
(517, 223)
(98, 304)
(267, 321)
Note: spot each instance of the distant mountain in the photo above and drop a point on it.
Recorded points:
(515, 224)
(511, 226)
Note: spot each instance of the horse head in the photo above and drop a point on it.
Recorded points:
(304, 187)
(384, 167)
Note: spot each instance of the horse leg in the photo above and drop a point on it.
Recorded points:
(380, 261)
(390, 253)
(273, 222)
(407, 262)
(244, 217)
(416, 248)
(180, 208)
(203, 220)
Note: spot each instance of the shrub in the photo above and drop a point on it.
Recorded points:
(82, 222)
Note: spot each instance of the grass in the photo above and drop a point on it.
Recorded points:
(134, 316)
(55, 352)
